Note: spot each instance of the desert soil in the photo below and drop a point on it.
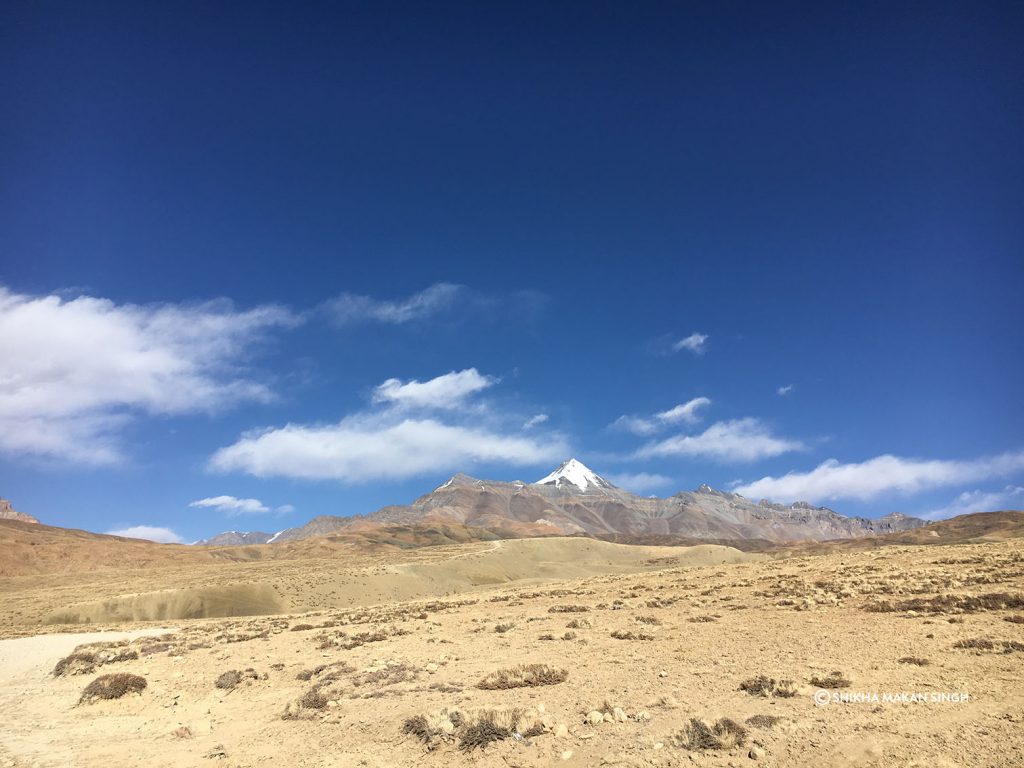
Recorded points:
(696, 626)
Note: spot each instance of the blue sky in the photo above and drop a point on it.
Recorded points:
(321, 258)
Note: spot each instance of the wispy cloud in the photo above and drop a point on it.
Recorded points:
(406, 438)
(640, 482)
(686, 413)
(352, 308)
(447, 391)
(74, 373)
(234, 507)
(693, 343)
(149, 533)
(535, 421)
(739, 440)
(882, 474)
(1010, 497)
(783, 391)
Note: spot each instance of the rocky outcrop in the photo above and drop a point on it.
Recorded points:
(7, 512)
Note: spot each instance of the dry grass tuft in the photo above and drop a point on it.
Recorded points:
(769, 687)
(523, 676)
(831, 680)
(112, 687)
(568, 609)
(618, 634)
(700, 736)
(471, 731)
(915, 660)
(764, 721)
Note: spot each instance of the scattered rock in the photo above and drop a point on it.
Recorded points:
(595, 717)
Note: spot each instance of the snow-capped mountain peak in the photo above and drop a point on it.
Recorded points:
(575, 473)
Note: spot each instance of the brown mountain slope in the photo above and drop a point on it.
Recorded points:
(596, 507)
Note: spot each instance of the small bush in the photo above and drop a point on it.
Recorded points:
(1015, 619)
(523, 676)
(503, 628)
(313, 700)
(618, 634)
(112, 687)
(568, 609)
(699, 736)
(768, 687)
(916, 661)
(764, 721)
(832, 680)
(579, 624)
(229, 679)
(302, 628)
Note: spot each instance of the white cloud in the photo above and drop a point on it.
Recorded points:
(447, 391)
(730, 441)
(882, 474)
(366, 447)
(149, 533)
(684, 413)
(396, 440)
(1011, 497)
(634, 424)
(692, 343)
(535, 421)
(74, 372)
(233, 507)
(640, 482)
(350, 308)
(783, 391)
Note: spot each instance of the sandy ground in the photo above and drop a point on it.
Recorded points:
(693, 634)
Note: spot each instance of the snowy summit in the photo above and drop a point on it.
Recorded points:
(577, 474)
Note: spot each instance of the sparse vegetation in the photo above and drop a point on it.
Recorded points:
(503, 628)
(831, 680)
(568, 609)
(112, 687)
(769, 687)
(766, 722)
(523, 676)
(471, 731)
(993, 601)
(700, 736)
(915, 660)
(619, 634)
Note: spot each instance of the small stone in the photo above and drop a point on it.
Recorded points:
(595, 717)
(620, 715)
(567, 754)
(755, 753)
(561, 731)
(663, 673)
(541, 709)
(431, 668)
(446, 726)
(658, 745)
(643, 716)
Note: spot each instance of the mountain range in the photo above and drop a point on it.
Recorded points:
(573, 499)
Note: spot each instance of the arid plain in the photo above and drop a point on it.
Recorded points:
(527, 653)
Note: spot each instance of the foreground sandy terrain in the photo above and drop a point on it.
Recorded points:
(692, 627)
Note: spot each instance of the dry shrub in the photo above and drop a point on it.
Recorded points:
(831, 680)
(992, 601)
(302, 627)
(229, 679)
(503, 628)
(84, 662)
(568, 609)
(579, 624)
(700, 736)
(915, 660)
(471, 731)
(764, 721)
(523, 676)
(1015, 618)
(650, 620)
(313, 700)
(702, 619)
(112, 687)
(984, 644)
(768, 687)
(618, 634)
(546, 636)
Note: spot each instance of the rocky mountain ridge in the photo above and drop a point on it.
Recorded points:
(575, 500)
